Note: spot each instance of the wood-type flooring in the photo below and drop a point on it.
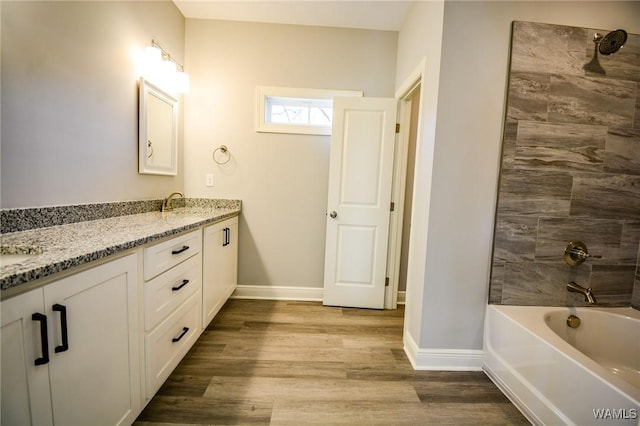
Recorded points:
(297, 363)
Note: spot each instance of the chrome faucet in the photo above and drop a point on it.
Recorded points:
(586, 292)
(167, 205)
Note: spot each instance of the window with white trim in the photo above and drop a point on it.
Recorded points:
(298, 111)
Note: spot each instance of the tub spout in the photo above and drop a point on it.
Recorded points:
(586, 292)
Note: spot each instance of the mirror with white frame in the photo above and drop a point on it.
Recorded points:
(158, 131)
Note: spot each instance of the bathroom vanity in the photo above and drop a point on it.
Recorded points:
(99, 313)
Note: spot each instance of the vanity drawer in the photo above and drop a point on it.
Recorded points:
(170, 341)
(164, 293)
(161, 257)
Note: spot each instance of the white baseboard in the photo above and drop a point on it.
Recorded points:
(442, 359)
(277, 293)
(288, 293)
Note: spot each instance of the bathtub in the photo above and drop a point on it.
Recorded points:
(557, 375)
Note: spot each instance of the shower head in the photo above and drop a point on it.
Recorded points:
(612, 42)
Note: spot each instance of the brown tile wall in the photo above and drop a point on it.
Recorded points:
(570, 170)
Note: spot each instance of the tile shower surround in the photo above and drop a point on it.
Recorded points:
(570, 170)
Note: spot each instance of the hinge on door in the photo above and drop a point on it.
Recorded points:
(393, 207)
(386, 281)
(397, 127)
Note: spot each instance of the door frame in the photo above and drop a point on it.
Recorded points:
(403, 96)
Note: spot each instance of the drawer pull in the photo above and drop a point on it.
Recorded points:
(184, 331)
(183, 249)
(43, 338)
(184, 282)
(63, 328)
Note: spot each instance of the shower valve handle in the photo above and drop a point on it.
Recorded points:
(576, 253)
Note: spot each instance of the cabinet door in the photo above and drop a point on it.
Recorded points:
(229, 271)
(219, 266)
(95, 370)
(212, 263)
(26, 398)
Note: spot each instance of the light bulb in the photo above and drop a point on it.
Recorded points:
(166, 75)
(182, 82)
(151, 58)
(167, 68)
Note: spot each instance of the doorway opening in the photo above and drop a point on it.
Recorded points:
(403, 180)
(408, 193)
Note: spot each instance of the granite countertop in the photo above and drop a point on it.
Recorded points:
(58, 248)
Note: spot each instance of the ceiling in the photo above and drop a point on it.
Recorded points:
(363, 14)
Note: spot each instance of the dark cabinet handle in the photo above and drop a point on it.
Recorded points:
(63, 327)
(43, 338)
(184, 248)
(227, 237)
(184, 282)
(184, 331)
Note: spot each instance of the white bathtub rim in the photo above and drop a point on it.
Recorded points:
(535, 325)
(538, 411)
(532, 403)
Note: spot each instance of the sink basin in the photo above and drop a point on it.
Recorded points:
(10, 259)
(10, 255)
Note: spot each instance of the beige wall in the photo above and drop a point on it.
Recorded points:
(280, 178)
(462, 196)
(419, 48)
(70, 102)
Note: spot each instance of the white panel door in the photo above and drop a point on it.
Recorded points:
(360, 176)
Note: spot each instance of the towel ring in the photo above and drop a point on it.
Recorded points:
(225, 151)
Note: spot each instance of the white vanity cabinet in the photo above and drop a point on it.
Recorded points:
(173, 304)
(84, 367)
(220, 266)
(92, 347)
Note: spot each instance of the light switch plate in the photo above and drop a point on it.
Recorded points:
(209, 179)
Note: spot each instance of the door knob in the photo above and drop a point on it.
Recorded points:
(333, 214)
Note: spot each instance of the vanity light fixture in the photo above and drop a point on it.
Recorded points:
(162, 69)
